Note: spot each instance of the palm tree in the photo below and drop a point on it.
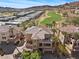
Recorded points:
(60, 48)
(54, 23)
(23, 24)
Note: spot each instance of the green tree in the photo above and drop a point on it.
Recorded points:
(31, 55)
(35, 55)
(26, 55)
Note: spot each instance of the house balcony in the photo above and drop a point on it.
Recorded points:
(45, 41)
(48, 50)
(45, 47)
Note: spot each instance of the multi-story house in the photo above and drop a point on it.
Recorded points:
(39, 38)
(71, 36)
(8, 33)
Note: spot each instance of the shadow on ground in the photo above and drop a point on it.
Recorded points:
(75, 55)
(52, 56)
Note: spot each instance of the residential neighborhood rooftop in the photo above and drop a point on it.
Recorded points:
(69, 29)
(38, 32)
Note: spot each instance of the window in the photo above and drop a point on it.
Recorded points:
(4, 38)
(30, 42)
(53, 43)
(78, 44)
(47, 44)
(70, 42)
(11, 36)
(3, 33)
(75, 44)
(40, 44)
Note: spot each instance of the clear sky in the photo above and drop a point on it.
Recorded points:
(29, 3)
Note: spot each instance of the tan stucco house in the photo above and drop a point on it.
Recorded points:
(39, 38)
(70, 36)
(8, 33)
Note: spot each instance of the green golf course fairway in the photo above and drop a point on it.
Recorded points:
(52, 17)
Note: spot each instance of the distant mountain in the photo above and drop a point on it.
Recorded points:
(72, 4)
(2, 9)
(40, 7)
(27, 9)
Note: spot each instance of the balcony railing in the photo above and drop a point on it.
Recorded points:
(45, 41)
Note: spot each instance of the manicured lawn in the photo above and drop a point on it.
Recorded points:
(52, 17)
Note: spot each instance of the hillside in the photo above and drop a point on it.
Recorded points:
(72, 4)
(27, 9)
(40, 7)
(75, 3)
